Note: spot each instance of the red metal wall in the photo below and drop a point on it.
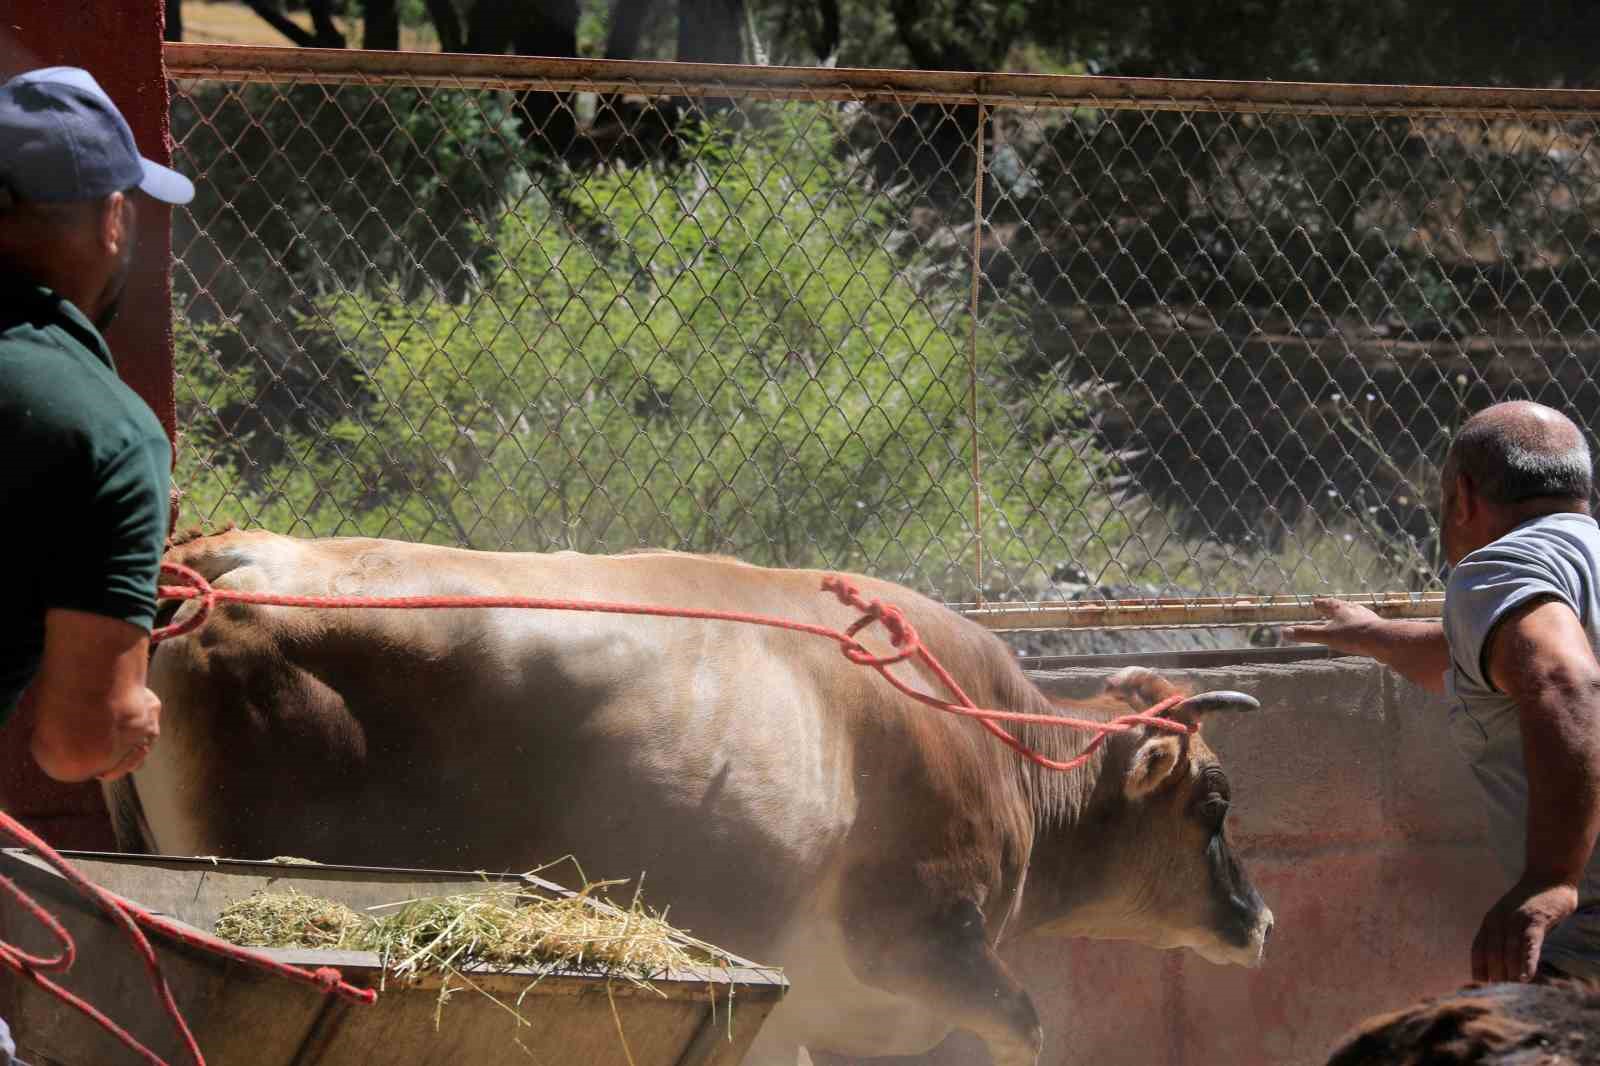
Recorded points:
(119, 42)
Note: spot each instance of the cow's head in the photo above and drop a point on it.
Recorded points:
(1150, 857)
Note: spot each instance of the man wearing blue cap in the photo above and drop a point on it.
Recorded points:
(86, 464)
(85, 470)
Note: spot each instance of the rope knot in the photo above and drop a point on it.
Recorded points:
(191, 585)
(332, 983)
(847, 593)
(896, 626)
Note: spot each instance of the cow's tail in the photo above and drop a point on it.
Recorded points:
(127, 817)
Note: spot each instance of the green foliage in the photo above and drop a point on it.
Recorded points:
(308, 189)
(720, 356)
(1314, 40)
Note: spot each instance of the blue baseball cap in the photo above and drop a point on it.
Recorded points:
(62, 139)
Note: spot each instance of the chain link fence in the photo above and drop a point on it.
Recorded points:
(1026, 343)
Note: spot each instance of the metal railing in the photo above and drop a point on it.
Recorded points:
(1062, 351)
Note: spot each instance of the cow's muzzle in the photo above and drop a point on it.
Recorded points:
(1249, 950)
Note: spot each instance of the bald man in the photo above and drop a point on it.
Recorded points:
(1515, 652)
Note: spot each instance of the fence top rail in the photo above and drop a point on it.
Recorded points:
(258, 63)
(1179, 613)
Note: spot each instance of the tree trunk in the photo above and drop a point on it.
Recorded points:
(711, 31)
(550, 29)
(622, 42)
(326, 34)
(174, 30)
(493, 24)
(825, 38)
(967, 42)
(447, 24)
(291, 29)
(381, 27)
(532, 28)
(627, 28)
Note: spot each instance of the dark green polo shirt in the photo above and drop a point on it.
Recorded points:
(84, 475)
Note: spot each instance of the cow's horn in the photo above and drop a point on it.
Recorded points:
(1202, 703)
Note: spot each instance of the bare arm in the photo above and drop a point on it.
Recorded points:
(93, 715)
(1416, 650)
(1540, 656)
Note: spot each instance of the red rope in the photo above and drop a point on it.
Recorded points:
(907, 644)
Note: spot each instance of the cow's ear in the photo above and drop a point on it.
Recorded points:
(1153, 762)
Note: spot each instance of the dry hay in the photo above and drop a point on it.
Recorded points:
(496, 928)
(501, 928)
(290, 920)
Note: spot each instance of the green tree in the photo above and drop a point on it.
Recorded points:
(722, 357)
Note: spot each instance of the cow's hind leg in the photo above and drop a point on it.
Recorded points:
(941, 959)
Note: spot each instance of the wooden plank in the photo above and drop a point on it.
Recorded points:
(256, 63)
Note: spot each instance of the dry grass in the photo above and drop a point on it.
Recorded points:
(291, 920)
(503, 929)
(498, 928)
(229, 22)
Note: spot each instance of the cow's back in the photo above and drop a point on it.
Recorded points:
(701, 754)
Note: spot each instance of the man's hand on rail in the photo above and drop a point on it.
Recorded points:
(1416, 650)
(1348, 627)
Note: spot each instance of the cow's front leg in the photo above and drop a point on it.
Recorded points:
(940, 958)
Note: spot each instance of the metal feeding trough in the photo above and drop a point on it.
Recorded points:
(242, 1017)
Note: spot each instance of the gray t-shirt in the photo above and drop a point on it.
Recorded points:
(1555, 556)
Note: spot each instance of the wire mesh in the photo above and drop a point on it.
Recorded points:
(1026, 349)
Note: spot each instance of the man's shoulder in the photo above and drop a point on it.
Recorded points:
(1556, 537)
(1557, 555)
(53, 388)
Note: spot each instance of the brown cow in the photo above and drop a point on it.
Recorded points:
(1555, 1024)
(787, 804)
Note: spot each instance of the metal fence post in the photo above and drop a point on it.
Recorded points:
(978, 176)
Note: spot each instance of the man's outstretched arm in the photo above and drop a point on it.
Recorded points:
(1416, 650)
